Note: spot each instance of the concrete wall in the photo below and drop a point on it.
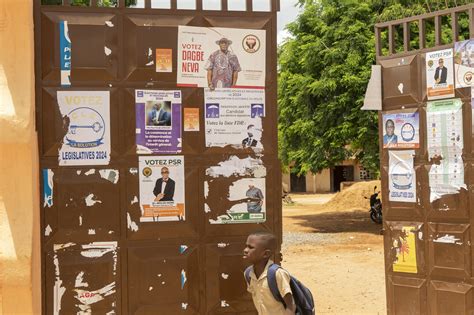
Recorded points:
(286, 181)
(311, 183)
(20, 280)
(321, 182)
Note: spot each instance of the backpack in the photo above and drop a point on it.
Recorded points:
(301, 295)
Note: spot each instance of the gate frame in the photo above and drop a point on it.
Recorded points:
(121, 9)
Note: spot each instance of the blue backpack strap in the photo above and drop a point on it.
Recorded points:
(273, 284)
(247, 274)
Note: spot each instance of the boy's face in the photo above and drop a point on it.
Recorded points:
(255, 250)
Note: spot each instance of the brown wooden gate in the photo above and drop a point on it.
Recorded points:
(428, 252)
(96, 254)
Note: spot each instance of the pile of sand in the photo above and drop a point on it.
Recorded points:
(353, 196)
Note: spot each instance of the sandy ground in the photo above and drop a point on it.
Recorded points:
(337, 253)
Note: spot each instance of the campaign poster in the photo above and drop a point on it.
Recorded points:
(234, 191)
(439, 74)
(65, 53)
(158, 121)
(472, 112)
(404, 247)
(464, 63)
(401, 130)
(234, 117)
(191, 119)
(445, 143)
(164, 60)
(221, 57)
(87, 115)
(402, 176)
(161, 188)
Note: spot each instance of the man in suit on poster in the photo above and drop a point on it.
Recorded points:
(250, 141)
(164, 186)
(441, 73)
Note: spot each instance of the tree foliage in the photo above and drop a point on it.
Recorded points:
(324, 68)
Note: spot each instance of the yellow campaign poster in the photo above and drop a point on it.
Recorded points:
(405, 247)
(191, 119)
(164, 61)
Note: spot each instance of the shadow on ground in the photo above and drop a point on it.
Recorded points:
(339, 222)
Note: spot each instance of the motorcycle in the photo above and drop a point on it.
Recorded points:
(375, 207)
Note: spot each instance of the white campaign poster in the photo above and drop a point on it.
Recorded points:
(221, 57)
(445, 143)
(464, 63)
(161, 188)
(439, 74)
(234, 191)
(401, 130)
(87, 141)
(234, 117)
(402, 176)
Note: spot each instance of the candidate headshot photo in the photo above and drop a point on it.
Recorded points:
(256, 198)
(222, 66)
(390, 138)
(250, 141)
(164, 186)
(158, 113)
(441, 73)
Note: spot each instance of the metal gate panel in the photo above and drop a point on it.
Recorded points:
(77, 213)
(90, 60)
(406, 295)
(448, 299)
(440, 280)
(447, 260)
(97, 255)
(405, 72)
(225, 286)
(92, 269)
(163, 280)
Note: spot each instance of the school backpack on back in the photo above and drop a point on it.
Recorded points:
(301, 295)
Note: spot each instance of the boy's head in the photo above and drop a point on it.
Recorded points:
(260, 247)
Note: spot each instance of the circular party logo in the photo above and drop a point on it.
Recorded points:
(251, 43)
(407, 132)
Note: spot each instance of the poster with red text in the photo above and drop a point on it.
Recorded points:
(221, 57)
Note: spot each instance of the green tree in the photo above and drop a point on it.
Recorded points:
(324, 69)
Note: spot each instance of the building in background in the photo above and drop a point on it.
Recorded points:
(328, 180)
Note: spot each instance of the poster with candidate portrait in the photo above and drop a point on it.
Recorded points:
(464, 63)
(87, 115)
(402, 176)
(401, 130)
(161, 188)
(234, 191)
(158, 121)
(234, 117)
(221, 57)
(439, 74)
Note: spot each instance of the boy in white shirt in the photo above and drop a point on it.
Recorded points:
(259, 249)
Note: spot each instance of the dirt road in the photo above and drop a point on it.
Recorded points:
(337, 253)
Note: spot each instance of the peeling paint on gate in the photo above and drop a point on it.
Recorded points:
(236, 191)
(84, 286)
